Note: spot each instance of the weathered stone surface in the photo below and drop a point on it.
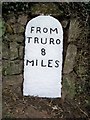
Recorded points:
(64, 23)
(82, 70)
(70, 58)
(11, 19)
(22, 19)
(13, 50)
(16, 67)
(82, 58)
(0, 48)
(5, 50)
(5, 37)
(2, 27)
(18, 28)
(15, 38)
(68, 88)
(74, 30)
(5, 67)
(21, 52)
(12, 67)
(9, 29)
(46, 8)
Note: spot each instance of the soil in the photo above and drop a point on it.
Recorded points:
(15, 105)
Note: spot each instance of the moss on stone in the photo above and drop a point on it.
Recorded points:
(46, 9)
(6, 67)
(69, 85)
(2, 27)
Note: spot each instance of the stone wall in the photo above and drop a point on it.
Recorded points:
(74, 19)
